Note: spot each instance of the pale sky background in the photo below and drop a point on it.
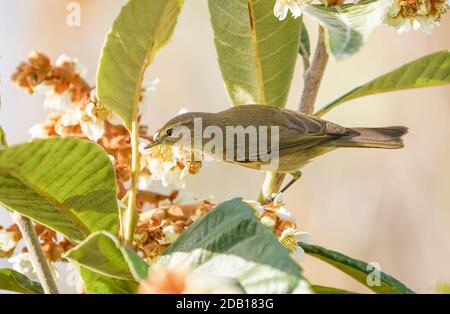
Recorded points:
(389, 207)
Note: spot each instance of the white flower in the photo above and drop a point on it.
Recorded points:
(162, 164)
(93, 130)
(7, 240)
(37, 131)
(91, 125)
(282, 7)
(257, 207)
(53, 100)
(290, 237)
(268, 221)
(170, 236)
(22, 264)
(405, 15)
(144, 183)
(284, 214)
(73, 278)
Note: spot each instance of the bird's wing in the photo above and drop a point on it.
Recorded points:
(297, 131)
(306, 131)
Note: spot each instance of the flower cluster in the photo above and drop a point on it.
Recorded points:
(275, 216)
(65, 78)
(9, 238)
(74, 111)
(402, 14)
(168, 164)
(159, 228)
(282, 7)
(51, 246)
(423, 14)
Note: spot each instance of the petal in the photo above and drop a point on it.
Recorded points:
(156, 169)
(284, 12)
(59, 102)
(285, 215)
(37, 132)
(295, 9)
(64, 59)
(276, 8)
(299, 254)
(142, 144)
(7, 241)
(304, 237)
(93, 130)
(259, 209)
(90, 109)
(405, 27)
(288, 232)
(144, 183)
(44, 89)
(71, 117)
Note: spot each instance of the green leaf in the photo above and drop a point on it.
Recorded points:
(257, 52)
(430, 70)
(67, 185)
(97, 283)
(348, 26)
(140, 30)
(231, 242)
(3, 142)
(442, 288)
(305, 46)
(10, 280)
(329, 290)
(356, 269)
(101, 252)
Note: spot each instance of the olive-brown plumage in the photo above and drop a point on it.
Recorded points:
(301, 137)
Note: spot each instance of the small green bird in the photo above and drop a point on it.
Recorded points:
(301, 137)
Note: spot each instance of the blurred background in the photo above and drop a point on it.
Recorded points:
(388, 207)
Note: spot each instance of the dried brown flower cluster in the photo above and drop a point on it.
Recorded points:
(64, 76)
(159, 228)
(83, 116)
(52, 247)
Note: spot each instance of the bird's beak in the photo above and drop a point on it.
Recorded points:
(153, 144)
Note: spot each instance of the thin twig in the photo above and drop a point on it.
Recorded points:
(38, 259)
(314, 75)
(313, 78)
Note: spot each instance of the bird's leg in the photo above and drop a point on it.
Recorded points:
(295, 176)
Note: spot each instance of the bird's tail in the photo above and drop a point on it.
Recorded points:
(389, 137)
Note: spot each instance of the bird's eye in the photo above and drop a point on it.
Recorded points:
(169, 132)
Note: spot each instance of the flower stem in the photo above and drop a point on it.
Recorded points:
(130, 215)
(313, 78)
(271, 185)
(38, 259)
(314, 75)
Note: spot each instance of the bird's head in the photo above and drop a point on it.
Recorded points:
(177, 128)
